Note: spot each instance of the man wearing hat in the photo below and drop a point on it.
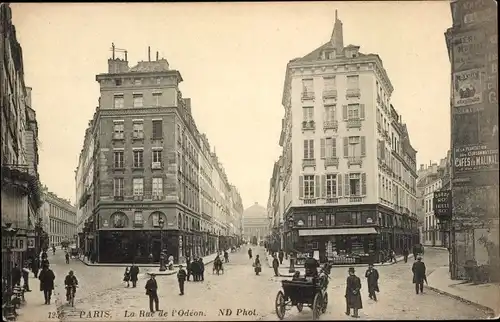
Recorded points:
(419, 277)
(181, 278)
(372, 281)
(352, 293)
(152, 292)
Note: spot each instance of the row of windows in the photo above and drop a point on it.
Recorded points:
(330, 83)
(60, 213)
(137, 129)
(354, 146)
(331, 186)
(138, 158)
(61, 228)
(137, 100)
(138, 186)
(392, 193)
(188, 194)
(349, 112)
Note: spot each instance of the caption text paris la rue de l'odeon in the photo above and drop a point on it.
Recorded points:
(141, 314)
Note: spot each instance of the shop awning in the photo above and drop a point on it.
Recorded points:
(338, 231)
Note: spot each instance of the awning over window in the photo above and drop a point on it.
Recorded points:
(338, 231)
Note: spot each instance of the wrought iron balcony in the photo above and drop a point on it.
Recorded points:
(379, 127)
(354, 123)
(331, 125)
(307, 96)
(332, 200)
(356, 199)
(353, 92)
(308, 125)
(355, 161)
(379, 100)
(308, 163)
(332, 162)
(330, 94)
(309, 201)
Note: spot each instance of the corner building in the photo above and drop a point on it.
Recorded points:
(142, 169)
(348, 168)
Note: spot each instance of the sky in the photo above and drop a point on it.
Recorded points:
(232, 57)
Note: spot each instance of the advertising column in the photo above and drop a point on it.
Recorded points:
(472, 46)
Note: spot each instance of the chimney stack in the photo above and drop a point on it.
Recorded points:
(156, 56)
(149, 53)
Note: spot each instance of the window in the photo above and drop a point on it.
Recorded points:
(118, 159)
(157, 156)
(353, 82)
(330, 113)
(354, 146)
(308, 113)
(118, 187)
(353, 111)
(356, 218)
(329, 83)
(157, 129)
(137, 81)
(307, 86)
(158, 81)
(157, 186)
(311, 221)
(308, 149)
(138, 159)
(138, 129)
(118, 82)
(155, 219)
(138, 100)
(330, 147)
(156, 99)
(119, 101)
(309, 187)
(138, 219)
(138, 185)
(355, 184)
(331, 185)
(330, 220)
(118, 131)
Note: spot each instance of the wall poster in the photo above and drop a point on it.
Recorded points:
(467, 89)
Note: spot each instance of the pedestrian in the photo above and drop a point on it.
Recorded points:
(152, 292)
(353, 294)
(393, 256)
(372, 281)
(16, 275)
(46, 278)
(276, 265)
(257, 266)
(280, 256)
(202, 269)
(406, 253)
(134, 271)
(419, 276)
(170, 263)
(188, 268)
(67, 257)
(126, 276)
(415, 252)
(249, 253)
(150, 257)
(181, 278)
(26, 277)
(226, 256)
(35, 266)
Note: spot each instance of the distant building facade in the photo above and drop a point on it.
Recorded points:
(60, 218)
(255, 223)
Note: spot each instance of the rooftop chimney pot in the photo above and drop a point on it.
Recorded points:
(149, 53)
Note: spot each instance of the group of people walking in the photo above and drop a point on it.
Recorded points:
(131, 275)
(195, 268)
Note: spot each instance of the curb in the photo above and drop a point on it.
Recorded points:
(174, 272)
(456, 297)
(398, 260)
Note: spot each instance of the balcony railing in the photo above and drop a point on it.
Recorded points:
(379, 127)
(309, 201)
(353, 92)
(330, 94)
(332, 162)
(308, 163)
(307, 96)
(118, 137)
(308, 125)
(332, 200)
(354, 123)
(356, 199)
(331, 125)
(355, 161)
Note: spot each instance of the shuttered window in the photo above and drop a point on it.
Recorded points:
(308, 149)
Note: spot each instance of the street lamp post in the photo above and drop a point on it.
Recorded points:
(9, 233)
(292, 254)
(163, 267)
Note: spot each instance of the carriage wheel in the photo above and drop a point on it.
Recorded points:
(300, 306)
(280, 305)
(317, 305)
(325, 303)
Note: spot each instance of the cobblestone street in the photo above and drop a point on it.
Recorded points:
(103, 297)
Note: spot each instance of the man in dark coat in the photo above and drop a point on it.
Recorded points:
(419, 277)
(406, 253)
(134, 272)
(311, 266)
(276, 265)
(195, 270)
(372, 281)
(249, 253)
(281, 255)
(353, 294)
(181, 278)
(201, 267)
(46, 278)
(152, 292)
(415, 252)
(16, 275)
(35, 266)
(188, 268)
(226, 256)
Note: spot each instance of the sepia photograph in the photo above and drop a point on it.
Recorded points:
(249, 161)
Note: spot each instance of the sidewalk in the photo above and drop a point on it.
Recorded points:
(206, 260)
(484, 296)
(284, 268)
(34, 308)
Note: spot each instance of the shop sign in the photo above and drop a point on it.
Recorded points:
(19, 244)
(472, 158)
(467, 89)
(468, 48)
(442, 203)
(31, 242)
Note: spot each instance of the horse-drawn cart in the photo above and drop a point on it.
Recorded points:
(310, 292)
